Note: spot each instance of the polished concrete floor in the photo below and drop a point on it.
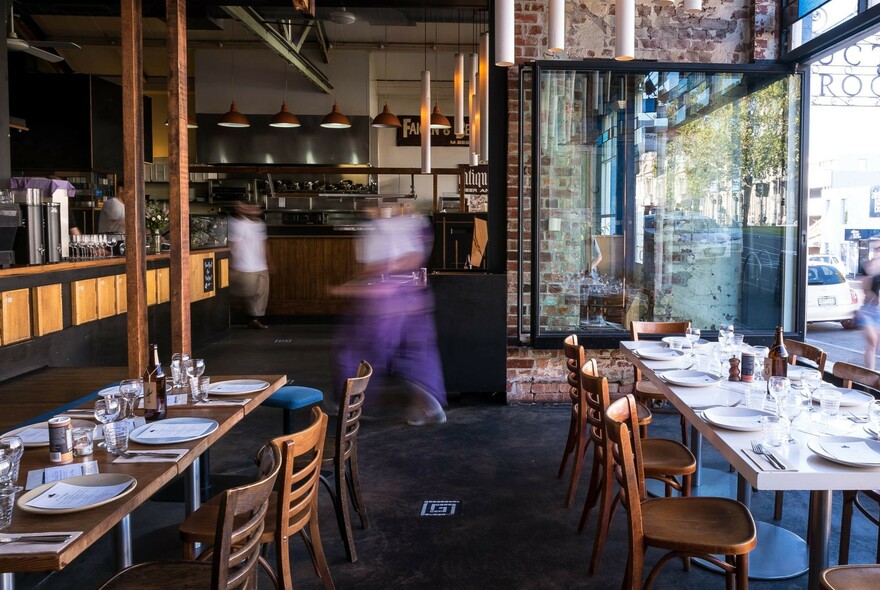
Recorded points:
(510, 530)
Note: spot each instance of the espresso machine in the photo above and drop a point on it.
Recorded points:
(10, 220)
(28, 244)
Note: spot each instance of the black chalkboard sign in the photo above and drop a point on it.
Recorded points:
(208, 274)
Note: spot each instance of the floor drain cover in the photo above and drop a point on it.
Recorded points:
(441, 508)
(283, 340)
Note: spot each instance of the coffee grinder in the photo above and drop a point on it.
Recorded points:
(10, 221)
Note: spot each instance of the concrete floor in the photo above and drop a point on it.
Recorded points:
(500, 462)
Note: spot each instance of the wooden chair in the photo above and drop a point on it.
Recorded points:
(851, 577)
(578, 432)
(663, 460)
(799, 350)
(685, 527)
(341, 455)
(293, 508)
(236, 543)
(645, 391)
(862, 378)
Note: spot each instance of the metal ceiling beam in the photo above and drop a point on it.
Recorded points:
(277, 43)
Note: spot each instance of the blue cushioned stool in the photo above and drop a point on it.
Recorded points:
(293, 397)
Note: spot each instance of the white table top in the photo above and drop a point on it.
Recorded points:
(813, 472)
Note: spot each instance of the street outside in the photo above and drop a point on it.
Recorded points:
(839, 343)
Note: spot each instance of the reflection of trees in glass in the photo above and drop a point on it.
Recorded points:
(724, 154)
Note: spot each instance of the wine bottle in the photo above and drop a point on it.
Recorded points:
(777, 359)
(155, 398)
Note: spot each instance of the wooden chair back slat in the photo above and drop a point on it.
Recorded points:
(797, 349)
(637, 328)
(856, 375)
(348, 421)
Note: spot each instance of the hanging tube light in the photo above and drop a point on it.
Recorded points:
(556, 38)
(425, 122)
(472, 143)
(625, 33)
(458, 92)
(473, 110)
(504, 51)
(484, 97)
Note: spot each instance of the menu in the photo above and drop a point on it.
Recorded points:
(63, 495)
(38, 477)
(852, 452)
(34, 435)
(181, 430)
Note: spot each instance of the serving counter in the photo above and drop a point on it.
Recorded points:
(73, 313)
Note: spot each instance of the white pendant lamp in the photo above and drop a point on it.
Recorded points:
(484, 97)
(625, 31)
(285, 119)
(458, 94)
(504, 51)
(425, 122)
(472, 144)
(693, 6)
(473, 109)
(556, 38)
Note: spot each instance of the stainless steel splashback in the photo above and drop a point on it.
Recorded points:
(310, 144)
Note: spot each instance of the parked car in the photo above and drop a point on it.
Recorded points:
(829, 259)
(829, 296)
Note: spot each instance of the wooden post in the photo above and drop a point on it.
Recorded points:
(131, 30)
(178, 187)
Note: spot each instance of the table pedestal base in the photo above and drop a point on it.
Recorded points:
(779, 555)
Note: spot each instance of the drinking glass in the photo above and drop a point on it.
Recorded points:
(83, 441)
(199, 387)
(116, 435)
(131, 390)
(772, 431)
(693, 336)
(756, 395)
(790, 406)
(829, 400)
(13, 447)
(778, 387)
(874, 416)
(761, 353)
(7, 502)
(736, 344)
(195, 368)
(178, 369)
(106, 411)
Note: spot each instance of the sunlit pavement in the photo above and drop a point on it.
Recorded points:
(839, 343)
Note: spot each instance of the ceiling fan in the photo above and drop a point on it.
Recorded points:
(16, 43)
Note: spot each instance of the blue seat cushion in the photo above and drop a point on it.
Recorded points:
(294, 397)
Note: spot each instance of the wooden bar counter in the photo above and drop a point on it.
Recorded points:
(73, 313)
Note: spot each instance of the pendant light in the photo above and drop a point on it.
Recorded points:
(504, 52)
(386, 119)
(484, 97)
(335, 120)
(438, 119)
(425, 115)
(556, 38)
(285, 119)
(458, 88)
(693, 6)
(625, 31)
(473, 106)
(233, 118)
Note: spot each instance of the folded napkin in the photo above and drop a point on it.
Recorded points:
(152, 456)
(7, 547)
(764, 464)
(211, 403)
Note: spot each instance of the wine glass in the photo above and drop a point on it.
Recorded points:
(131, 390)
(195, 368)
(106, 411)
(778, 387)
(812, 381)
(13, 447)
(693, 336)
(790, 406)
(874, 417)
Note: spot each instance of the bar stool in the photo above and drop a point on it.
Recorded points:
(293, 397)
(851, 577)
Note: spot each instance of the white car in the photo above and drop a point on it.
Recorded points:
(829, 296)
(828, 259)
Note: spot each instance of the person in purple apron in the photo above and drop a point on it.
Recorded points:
(391, 324)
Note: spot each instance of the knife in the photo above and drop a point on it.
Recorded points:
(774, 461)
(35, 539)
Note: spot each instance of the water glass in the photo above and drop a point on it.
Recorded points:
(772, 431)
(7, 502)
(83, 441)
(131, 390)
(829, 399)
(116, 437)
(790, 406)
(736, 344)
(874, 416)
(761, 353)
(756, 395)
(107, 409)
(675, 343)
(14, 448)
(778, 387)
(199, 387)
(178, 369)
(195, 368)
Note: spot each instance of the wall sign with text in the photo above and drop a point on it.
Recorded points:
(410, 134)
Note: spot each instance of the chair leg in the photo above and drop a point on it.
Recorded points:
(288, 421)
(313, 543)
(593, 492)
(777, 506)
(742, 572)
(342, 513)
(267, 567)
(357, 497)
(684, 430)
(580, 449)
(604, 522)
(846, 516)
(569, 446)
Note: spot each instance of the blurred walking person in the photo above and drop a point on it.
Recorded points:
(869, 314)
(248, 265)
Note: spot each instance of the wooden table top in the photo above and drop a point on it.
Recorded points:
(151, 477)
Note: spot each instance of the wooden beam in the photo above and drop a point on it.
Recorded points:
(178, 175)
(133, 169)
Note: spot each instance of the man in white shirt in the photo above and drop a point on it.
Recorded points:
(112, 218)
(248, 266)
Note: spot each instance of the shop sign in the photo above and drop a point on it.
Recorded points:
(476, 188)
(848, 77)
(874, 202)
(410, 133)
(854, 235)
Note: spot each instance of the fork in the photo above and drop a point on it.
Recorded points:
(134, 454)
(760, 450)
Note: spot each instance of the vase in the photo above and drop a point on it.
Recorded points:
(156, 243)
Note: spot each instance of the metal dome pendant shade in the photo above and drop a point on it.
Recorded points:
(284, 118)
(386, 119)
(233, 118)
(439, 120)
(335, 119)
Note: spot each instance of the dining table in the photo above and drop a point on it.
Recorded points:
(805, 469)
(90, 525)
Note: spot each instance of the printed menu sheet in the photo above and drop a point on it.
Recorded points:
(738, 421)
(34, 435)
(176, 430)
(38, 477)
(63, 495)
(852, 452)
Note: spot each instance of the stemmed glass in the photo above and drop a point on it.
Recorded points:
(195, 368)
(874, 417)
(790, 406)
(178, 369)
(693, 336)
(13, 447)
(131, 391)
(778, 387)
(812, 381)
(106, 411)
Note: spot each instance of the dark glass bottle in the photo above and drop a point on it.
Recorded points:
(777, 359)
(155, 398)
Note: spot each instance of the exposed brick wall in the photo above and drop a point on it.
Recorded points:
(727, 31)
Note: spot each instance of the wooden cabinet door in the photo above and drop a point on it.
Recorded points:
(16, 314)
(152, 294)
(48, 311)
(163, 285)
(121, 294)
(106, 297)
(84, 301)
(223, 274)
